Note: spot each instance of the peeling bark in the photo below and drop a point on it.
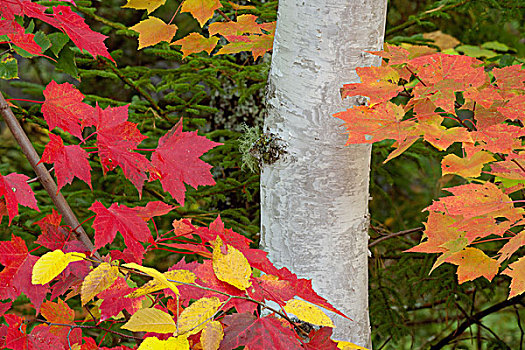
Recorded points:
(315, 199)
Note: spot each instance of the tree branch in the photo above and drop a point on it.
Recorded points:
(422, 16)
(392, 235)
(475, 318)
(43, 175)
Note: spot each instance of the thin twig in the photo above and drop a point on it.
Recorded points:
(396, 234)
(423, 16)
(89, 327)
(474, 318)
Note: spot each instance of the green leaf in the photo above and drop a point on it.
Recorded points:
(497, 46)
(66, 61)
(8, 67)
(475, 51)
(58, 40)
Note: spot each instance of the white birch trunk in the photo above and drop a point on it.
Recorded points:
(315, 200)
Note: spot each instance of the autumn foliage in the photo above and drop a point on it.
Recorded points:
(447, 99)
(231, 295)
(220, 302)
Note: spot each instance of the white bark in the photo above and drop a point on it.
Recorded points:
(315, 200)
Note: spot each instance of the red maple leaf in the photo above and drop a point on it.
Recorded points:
(379, 122)
(114, 300)
(25, 41)
(120, 218)
(80, 33)
(177, 162)
(15, 278)
(510, 78)
(499, 138)
(303, 289)
(321, 340)
(69, 161)
(207, 278)
(152, 209)
(61, 313)
(274, 289)
(63, 108)
(474, 200)
(398, 55)
(40, 338)
(53, 235)
(438, 230)
(378, 83)
(117, 141)
(514, 108)
(4, 307)
(262, 333)
(15, 190)
(11, 8)
(431, 69)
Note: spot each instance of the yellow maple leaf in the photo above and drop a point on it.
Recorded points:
(246, 24)
(162, 280)
(470, 166)
(155, 284)
(150, 5)
(101, 278)
(516, 271)
(257, 44)
(195, 42)
(308, 313)
(154, 343)
(473, 263)
(195, 317)
(153, 30)
(202, 10)
(232, 267)
(211, 336)
(241, 7)
(52, 264)
(150, 320)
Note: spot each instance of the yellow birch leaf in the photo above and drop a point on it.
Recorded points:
(308, 313)
(154, 343)
(194, 318)
(346, 345)
(101, 278)
(163, 281)
(202, 10)
(51, 264)
(153, 30)
(241, 7)
(195, 42)
(155, 285)
(150, 5)
(151, 320)
(232, 267)
(466, 167)
(211, 336)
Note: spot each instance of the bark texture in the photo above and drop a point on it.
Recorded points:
(315, 199)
